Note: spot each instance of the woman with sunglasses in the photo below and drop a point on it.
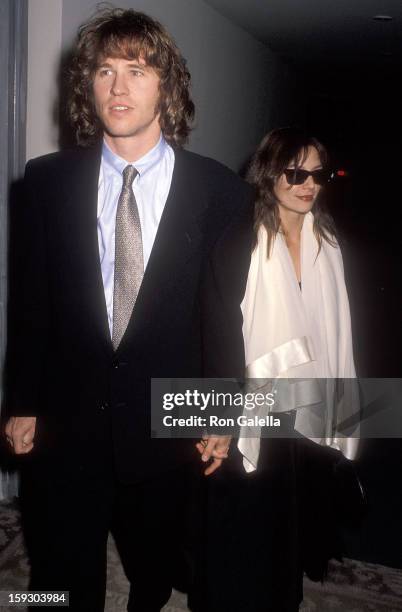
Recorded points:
(273, 502)
(272, 511)
(296, 318)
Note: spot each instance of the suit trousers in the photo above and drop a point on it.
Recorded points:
(67, 520)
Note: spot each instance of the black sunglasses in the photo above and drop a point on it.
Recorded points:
(297, 176)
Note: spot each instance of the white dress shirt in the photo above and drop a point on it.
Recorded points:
(151, 188)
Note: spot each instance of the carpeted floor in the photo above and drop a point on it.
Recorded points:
(352, 586)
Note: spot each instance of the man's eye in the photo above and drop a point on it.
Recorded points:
(105, 72)
(137, 72)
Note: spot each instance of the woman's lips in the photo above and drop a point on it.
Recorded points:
(306, 198)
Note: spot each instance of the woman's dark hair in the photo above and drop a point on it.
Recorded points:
(278, 150)
(128, 34)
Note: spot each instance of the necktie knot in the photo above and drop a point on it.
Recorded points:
(129, 174)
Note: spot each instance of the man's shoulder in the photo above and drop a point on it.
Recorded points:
(212, 171)
(53, 164)
(230, 200)
(201, 161)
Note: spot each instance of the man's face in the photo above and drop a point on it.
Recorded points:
(126, 95)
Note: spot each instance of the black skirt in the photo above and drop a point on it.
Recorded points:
(265, 529)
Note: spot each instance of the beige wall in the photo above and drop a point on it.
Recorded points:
(44, 45)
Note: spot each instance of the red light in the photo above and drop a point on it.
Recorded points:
(341, 173)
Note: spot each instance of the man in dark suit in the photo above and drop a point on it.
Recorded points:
(110, 242)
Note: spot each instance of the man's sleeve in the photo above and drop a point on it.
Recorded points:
(28, 301)
(223, 286)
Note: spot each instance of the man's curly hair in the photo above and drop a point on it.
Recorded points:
(128, 34)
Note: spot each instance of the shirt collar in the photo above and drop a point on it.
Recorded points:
(142, 165)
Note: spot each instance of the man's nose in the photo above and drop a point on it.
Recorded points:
(119, 85)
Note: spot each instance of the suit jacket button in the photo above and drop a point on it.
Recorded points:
(104, 406)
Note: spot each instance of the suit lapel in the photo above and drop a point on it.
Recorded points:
(179, 235)
(82, 200)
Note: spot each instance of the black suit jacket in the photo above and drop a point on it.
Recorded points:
(93, 404)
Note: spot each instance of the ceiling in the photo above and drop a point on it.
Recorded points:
(321, 30)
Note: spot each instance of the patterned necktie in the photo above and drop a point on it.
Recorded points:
(129, 259)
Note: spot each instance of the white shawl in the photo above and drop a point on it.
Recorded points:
(302, 335)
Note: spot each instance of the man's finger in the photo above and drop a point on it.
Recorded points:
(28, 437)
(200, 447)
(21, 447)
(208, 449)
(23, 433)
(214, 466)
(220, 453)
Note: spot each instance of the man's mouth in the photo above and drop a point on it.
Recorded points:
(120, 107)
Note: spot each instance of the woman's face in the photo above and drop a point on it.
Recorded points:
(299, 198)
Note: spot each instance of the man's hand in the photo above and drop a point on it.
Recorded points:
(216, 448)
(20, 432)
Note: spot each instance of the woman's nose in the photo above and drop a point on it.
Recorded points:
(309, 182)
